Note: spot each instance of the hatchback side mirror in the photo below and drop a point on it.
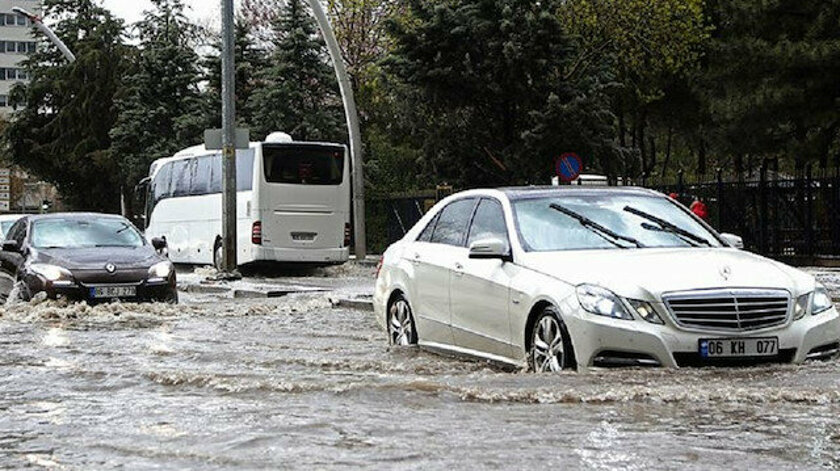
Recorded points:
(491, 248)
(11, 246)
(732, 240)
(159, 243)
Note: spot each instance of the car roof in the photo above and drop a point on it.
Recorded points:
(527, 192)
(41, 217)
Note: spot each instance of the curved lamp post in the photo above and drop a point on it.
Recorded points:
(36, 20)
(352, 117)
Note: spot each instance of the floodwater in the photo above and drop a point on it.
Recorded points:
(217, 383)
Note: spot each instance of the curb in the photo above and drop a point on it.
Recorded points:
(358, 304)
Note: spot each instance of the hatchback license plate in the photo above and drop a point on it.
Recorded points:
(113, 291)
(751, 347)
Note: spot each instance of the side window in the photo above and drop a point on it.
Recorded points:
(201, 175)
(451, 227)
(216, 174)
(181, 177)
(488, 222)
(426, 235)
(160, 185)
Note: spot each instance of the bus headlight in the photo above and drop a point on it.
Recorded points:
(50, 272)
(161, 270)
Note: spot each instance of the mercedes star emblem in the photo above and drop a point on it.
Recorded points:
(725, 272)
(110, 268)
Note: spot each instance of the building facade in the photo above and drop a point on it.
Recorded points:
(16, 41)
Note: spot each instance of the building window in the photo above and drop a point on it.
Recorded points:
(10, 19)
(4, 101)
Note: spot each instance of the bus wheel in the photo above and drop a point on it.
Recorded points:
(218, 254)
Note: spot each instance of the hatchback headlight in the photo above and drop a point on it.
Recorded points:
(602, 302)
(821, 301)
(160, 270)
(50, 272)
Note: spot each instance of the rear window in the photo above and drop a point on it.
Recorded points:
(304, 165)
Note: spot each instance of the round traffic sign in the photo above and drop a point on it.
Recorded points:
(568, 166)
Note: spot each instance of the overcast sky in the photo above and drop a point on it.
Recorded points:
(132, 10)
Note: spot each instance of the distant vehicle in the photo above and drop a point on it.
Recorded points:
(293, 203)
(86, 257)
(569, 277)
(6, 221)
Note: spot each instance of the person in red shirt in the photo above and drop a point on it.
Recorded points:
(699, 209)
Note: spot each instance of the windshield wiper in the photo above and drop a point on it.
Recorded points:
(124, 228)
(595, 227)
(665, 226)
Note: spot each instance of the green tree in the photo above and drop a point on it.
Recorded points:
(249, 60)
(60, 131)
(297, 93)
(490, 91)
(159, 106)
(773, 79)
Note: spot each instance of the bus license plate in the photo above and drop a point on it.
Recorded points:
(113, 291)
(752, 347)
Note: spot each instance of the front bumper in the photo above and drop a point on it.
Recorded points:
(597, 338)
(146, 290)
(301, 255)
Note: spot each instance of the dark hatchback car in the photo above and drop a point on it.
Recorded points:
(84, 257)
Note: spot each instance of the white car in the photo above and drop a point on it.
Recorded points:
(573, 277)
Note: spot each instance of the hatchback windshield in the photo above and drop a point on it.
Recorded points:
(606, 221)
(81, 233)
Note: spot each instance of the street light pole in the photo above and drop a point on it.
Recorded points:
(36, 20)
(228, 141)
(352, 118)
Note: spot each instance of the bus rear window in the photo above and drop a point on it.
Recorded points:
(304, 165)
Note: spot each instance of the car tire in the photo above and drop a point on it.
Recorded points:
(19, 294)
(401, 327)
(551, 345)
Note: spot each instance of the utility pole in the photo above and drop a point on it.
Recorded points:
(352, 117)
(228, 141)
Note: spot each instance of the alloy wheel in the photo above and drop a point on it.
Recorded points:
(548, 345)
(400, 325)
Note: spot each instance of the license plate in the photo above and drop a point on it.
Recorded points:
(754, 347)
(113, 291)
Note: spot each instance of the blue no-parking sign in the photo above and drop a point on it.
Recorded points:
(568, 166)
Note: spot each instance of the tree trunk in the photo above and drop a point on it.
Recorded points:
(667, 151)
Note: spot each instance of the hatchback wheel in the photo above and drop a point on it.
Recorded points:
(401, 329)
(551, 346)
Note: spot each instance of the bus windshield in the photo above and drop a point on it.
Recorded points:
(304, 165)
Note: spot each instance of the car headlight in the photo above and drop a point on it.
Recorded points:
(602, 302)
(160, 270)
(821, 301)
(801, 306)
(50, 272)
(645, 310)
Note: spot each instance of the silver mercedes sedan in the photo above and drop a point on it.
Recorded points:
(573, 277)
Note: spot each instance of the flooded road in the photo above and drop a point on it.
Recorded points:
(291, 382)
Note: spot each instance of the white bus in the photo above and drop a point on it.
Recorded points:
(293, 203)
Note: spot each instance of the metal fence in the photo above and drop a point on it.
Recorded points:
(791, 218)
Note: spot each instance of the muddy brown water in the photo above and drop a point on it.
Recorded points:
(293, 383)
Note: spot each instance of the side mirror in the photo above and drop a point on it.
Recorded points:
(159, 243)
(11, 246)
(491, 248)
(732, 240)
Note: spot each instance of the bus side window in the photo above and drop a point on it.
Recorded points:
(181, 177)
(160, 185)
(216, 175)
(201, 175)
